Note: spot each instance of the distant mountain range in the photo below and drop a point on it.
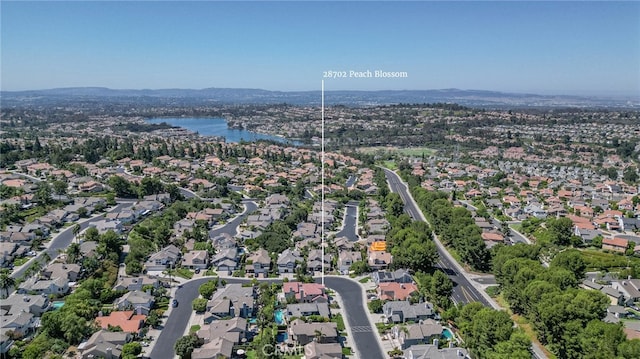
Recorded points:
(471, 98)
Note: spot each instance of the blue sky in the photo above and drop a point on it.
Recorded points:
(583, 48)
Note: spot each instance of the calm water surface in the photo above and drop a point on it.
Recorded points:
(216, 127)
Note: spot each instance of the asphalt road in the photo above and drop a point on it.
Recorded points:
(232, 226)
(62, 240)
(349, 222)
(463, 291)
(350, 181)
(364, 336)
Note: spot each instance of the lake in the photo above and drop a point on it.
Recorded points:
(217, 127)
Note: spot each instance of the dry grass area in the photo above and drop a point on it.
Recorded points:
(523, 323)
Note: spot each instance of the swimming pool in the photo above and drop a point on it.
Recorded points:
(279, 316)
(282, 337)
(447, 334)
(57, 305)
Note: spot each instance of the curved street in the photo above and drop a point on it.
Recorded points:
(60, 242)
(364, 334)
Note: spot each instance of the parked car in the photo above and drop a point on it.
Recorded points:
(174, 303)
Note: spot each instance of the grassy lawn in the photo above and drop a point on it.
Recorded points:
(339, 322)
(364, 280)
(390, 165)
(416, 151)
(20, 261)
(210, 272)
(194, 328)
(183, 273)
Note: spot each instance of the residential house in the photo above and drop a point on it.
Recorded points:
(196, 259)
(104, 344)
(629, 224)
(136, 283)
(57, 286)
(303, 333)
(299, 310)
(615, 296)
(431, 351)
(139, 301)
(630, 289)
(379, 260)
(395, 291)
(316, 350)
(233, 300)
(21, 324)
(5, 344)
(18, 303)
(615, 244)
(233, 330)
(216, 348)
(225, 260)
(88, 248)
(167, 257)
(128, 321)
(587, 235)
(304, 292)
(346, 259)
(259, 263)
(397, 276)
(61, 270)
(315, 261)
(423, 332)
(104, 226)
(401, 311)
(287, 261)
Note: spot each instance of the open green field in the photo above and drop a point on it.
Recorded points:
(410, 151)
(416, 151)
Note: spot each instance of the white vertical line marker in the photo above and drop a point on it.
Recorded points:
(322, 199)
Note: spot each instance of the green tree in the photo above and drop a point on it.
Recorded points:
(441, 289)
(59, 187)
(207, 289)
(600, 339)
(517, 347)
(76, 230)
(6, 283)
(185, 345)
(122, 187)
(199, 305)
(629, 349)
(83, 212)
(630, 174)
(132, 349)
(43, 194)
(572, 260)
(91, 234)
(561, 230)
(360, 267)
(73, 253)
(375, 306)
